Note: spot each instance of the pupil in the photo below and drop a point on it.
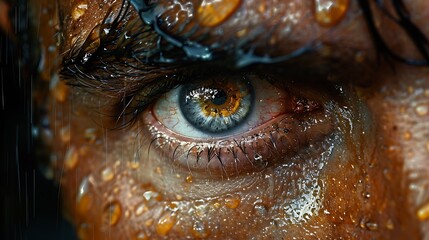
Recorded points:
(219, 98)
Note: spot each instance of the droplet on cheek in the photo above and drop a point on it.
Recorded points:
(65, 134)
(112, 213)
(214, 12)
(84, 231)
(141, 236)
(71, 158)
(165, 224)
(107, 174)
(408, 136)
(371, 226)
(423, 212)
(84, 198)
(152, 198)
(141, 209)
(330, 12)
(422, 110)
(200, 230)
(189, 179)
(232, 202)
(260, 209)
(134, 164)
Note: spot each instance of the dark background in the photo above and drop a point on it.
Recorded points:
(30, 204)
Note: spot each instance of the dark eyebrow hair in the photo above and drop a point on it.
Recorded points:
(404, 21)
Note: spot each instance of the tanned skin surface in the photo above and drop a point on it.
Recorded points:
(120, 183)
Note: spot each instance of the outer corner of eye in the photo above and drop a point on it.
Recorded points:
(232, 124)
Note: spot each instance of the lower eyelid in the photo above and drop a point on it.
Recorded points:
(257, 149)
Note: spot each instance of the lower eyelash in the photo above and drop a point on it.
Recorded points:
(231, 157)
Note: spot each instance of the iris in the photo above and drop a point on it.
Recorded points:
(216, 106)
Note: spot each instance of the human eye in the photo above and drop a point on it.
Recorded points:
(230, 123)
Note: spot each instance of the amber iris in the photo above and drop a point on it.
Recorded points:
(223, 103)
(216, 105)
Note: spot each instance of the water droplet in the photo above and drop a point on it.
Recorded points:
(189, 179)
(141, 236)
(152, 198)
(260, 209)
(107, 174)
(232, 202)
(83, 198)
(90, 135)
(179, 197)
(71, 158)
(84, 232)
(423, 212)
(214, 12)
(422, 110)
(134, 164)
(407, 136)
(165, 224)
(173, 207)
(390, 225)
(330, 12)
(148, 222)
(200, 230)
(141, 209)
(84, 204)
(79, 10)
(65, 134)
(112, 213)
(371, 226)
(366, 195)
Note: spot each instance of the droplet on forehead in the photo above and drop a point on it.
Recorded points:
(214, 12)
(330, 12)
(79, 10)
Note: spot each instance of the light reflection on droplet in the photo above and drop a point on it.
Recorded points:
(330, 12)
(107, 174)
(214, 12)
(200, 230)
(112, 213)
(71, 158)
(165, 224)
(422, 110)
(232, 202)
(423, 212)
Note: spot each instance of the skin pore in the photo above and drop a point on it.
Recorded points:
(348, 159)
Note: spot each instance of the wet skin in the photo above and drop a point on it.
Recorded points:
(353, 167)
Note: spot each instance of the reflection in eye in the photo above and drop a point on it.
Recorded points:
(235, 123)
